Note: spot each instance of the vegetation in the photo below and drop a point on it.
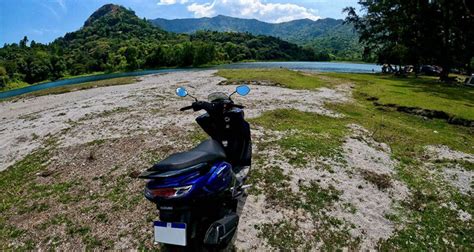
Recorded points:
(76, 87)
(421, 92)
(426, 220)
(115, 39)
(288, 78)
(331, 38)
(312, 138)
(417, 32)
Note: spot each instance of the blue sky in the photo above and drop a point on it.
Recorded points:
(45, 20)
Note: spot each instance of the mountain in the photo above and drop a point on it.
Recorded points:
(328, 35)
(116, 22)
(297, 31)
(114, 39)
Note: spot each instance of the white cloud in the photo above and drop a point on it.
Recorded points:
(62, 4)
(43, 31)
(170, 2)
(203, 10)
(270, 12)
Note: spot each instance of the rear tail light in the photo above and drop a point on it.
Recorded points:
(170, 192)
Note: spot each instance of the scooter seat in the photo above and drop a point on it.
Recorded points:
(207, 151)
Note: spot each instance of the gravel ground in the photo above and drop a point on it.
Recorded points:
(151, 104)
(105, 134)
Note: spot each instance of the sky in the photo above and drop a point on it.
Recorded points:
(45, 20)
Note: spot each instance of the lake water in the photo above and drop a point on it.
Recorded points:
(307, 66)
(339, 67)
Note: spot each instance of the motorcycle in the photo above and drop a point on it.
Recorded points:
(199, 192)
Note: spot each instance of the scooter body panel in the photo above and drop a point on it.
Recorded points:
(217, 179)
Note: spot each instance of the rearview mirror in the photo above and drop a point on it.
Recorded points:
(181, 92)
(242, 90)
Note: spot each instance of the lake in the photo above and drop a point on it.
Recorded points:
(339, 67)
(307, 66)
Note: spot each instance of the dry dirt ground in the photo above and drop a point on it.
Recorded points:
(100, 138)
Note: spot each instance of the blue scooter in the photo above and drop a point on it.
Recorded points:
(198, 192)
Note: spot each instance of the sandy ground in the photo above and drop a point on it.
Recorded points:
(140, 123)
(151, 104)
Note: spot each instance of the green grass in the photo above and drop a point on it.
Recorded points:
(285, 77)
(20, 84)
(274, 184)
(425, 219)
(406, 134)
(422, 92)
(14, 85)
(12, 195)
(77, 87)
(312, 136)
(283, 235)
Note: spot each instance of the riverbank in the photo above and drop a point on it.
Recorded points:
(75, 87)
(330, 169)
(307, 66)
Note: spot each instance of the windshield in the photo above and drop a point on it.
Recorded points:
(217, 96)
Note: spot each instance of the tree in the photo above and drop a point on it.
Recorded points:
(416, 32)
(3, 77)
(115, 39)
(24, 42)
(155, 58)
(203, 54)
(131, 54)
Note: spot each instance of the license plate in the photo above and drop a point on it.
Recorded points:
(170, 232)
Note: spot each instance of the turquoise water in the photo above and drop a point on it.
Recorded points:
(339, 67)
(308, 66)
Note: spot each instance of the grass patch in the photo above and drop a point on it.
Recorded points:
(443, 163)
(197, 136)
(421, 92)
(317, 198)
(433, 227)
(97, 142)
(329, 233)
(274, 184)
(283, 235)
(14, 179)
(104, 113)
(310, 133)
(382, 181)
(12, 192)
(14, 85)
(284, 77)
(407, 135)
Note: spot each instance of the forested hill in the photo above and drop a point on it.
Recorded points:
(113, 39)
(328, 35)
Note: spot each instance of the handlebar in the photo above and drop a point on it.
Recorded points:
(208, 106)
(185, 108)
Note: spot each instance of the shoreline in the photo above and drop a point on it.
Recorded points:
(83, 78)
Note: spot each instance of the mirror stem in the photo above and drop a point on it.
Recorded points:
(193, 97)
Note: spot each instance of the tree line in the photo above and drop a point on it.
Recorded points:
(417, 32)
